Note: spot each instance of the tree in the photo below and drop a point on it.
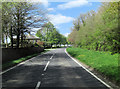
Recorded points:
(49, 34)
(39, 34)
(77, 24)
(98, 30)
(6, 20)
(63, 40)
(22, 16)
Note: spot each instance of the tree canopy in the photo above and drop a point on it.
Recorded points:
(98, 30)
(49, 33)
(19, 18)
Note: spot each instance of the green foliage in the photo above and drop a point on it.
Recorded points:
(104, 62)
(49, 34)
(39, 34)
(98, 30)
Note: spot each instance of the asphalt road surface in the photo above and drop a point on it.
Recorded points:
(54, 69)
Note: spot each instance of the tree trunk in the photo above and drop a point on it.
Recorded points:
(11, 37)
(3, 38)
(6, 42)
(100, 47)
(18, 28)
(18, 38)
(60, 45)
(22, 38)
(97, 47)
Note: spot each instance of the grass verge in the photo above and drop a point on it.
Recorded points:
(103, 62)
(17, 61)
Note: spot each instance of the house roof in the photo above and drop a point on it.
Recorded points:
(31, 37)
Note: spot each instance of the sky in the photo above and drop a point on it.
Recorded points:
(62, 14)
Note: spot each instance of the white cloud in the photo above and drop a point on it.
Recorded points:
(59, 19)
(72, 4)
(45, 3)
(66, 34)
(51, 9)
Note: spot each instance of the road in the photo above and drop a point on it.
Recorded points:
(53, 69)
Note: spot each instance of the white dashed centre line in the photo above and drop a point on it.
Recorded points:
(38, 85)
(52, 56)
(46, 65)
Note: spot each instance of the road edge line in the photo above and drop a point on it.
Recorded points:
(88, 71)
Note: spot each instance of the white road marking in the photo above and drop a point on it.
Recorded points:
(89, 71)
(51, 56)
(19, 64)
(46, 66)
(38, 85)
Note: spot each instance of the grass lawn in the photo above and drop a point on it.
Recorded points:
(17, 61)
(103, 62)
